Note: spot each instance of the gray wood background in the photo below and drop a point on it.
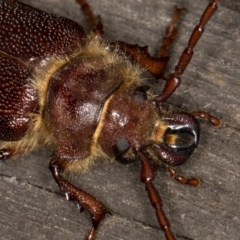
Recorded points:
(31, 205)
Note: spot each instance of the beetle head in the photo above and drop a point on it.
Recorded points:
(165, 136)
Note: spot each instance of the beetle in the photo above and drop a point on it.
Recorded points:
(83, 96)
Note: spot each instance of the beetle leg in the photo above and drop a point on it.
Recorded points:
(195, 182)
(84, 200)
(98, 28)
(204, 115)
(94, 22)
(7, 153)
(147, 176)
(154, 65)
(174, 80)
(86, 9)
(170, 34)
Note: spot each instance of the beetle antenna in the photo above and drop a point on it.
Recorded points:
(174, 79)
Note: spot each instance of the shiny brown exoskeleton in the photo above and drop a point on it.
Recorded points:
(84, 97)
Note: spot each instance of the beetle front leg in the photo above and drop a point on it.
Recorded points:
(93, 21)
(154, 65)
(84, 200)
(86, 9)
(147, 176)
(171, 32)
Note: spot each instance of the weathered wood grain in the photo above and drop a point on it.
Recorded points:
(233, 5)
(31, 205)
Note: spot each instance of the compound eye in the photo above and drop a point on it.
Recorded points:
(140, 93)
(123, 151)
(122, 145)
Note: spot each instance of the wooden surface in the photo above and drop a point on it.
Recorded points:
(31, 205)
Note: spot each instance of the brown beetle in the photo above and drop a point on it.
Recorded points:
(84, 97)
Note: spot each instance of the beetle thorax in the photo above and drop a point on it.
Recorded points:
(94, 92)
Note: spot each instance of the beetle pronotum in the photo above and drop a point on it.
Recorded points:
(83, 96)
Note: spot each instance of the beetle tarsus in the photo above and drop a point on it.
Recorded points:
(147, 176)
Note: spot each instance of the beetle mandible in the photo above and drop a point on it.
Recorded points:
(83, 95)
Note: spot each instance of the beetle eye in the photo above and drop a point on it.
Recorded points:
(140, 93)
(122, 145)
(123, 151)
